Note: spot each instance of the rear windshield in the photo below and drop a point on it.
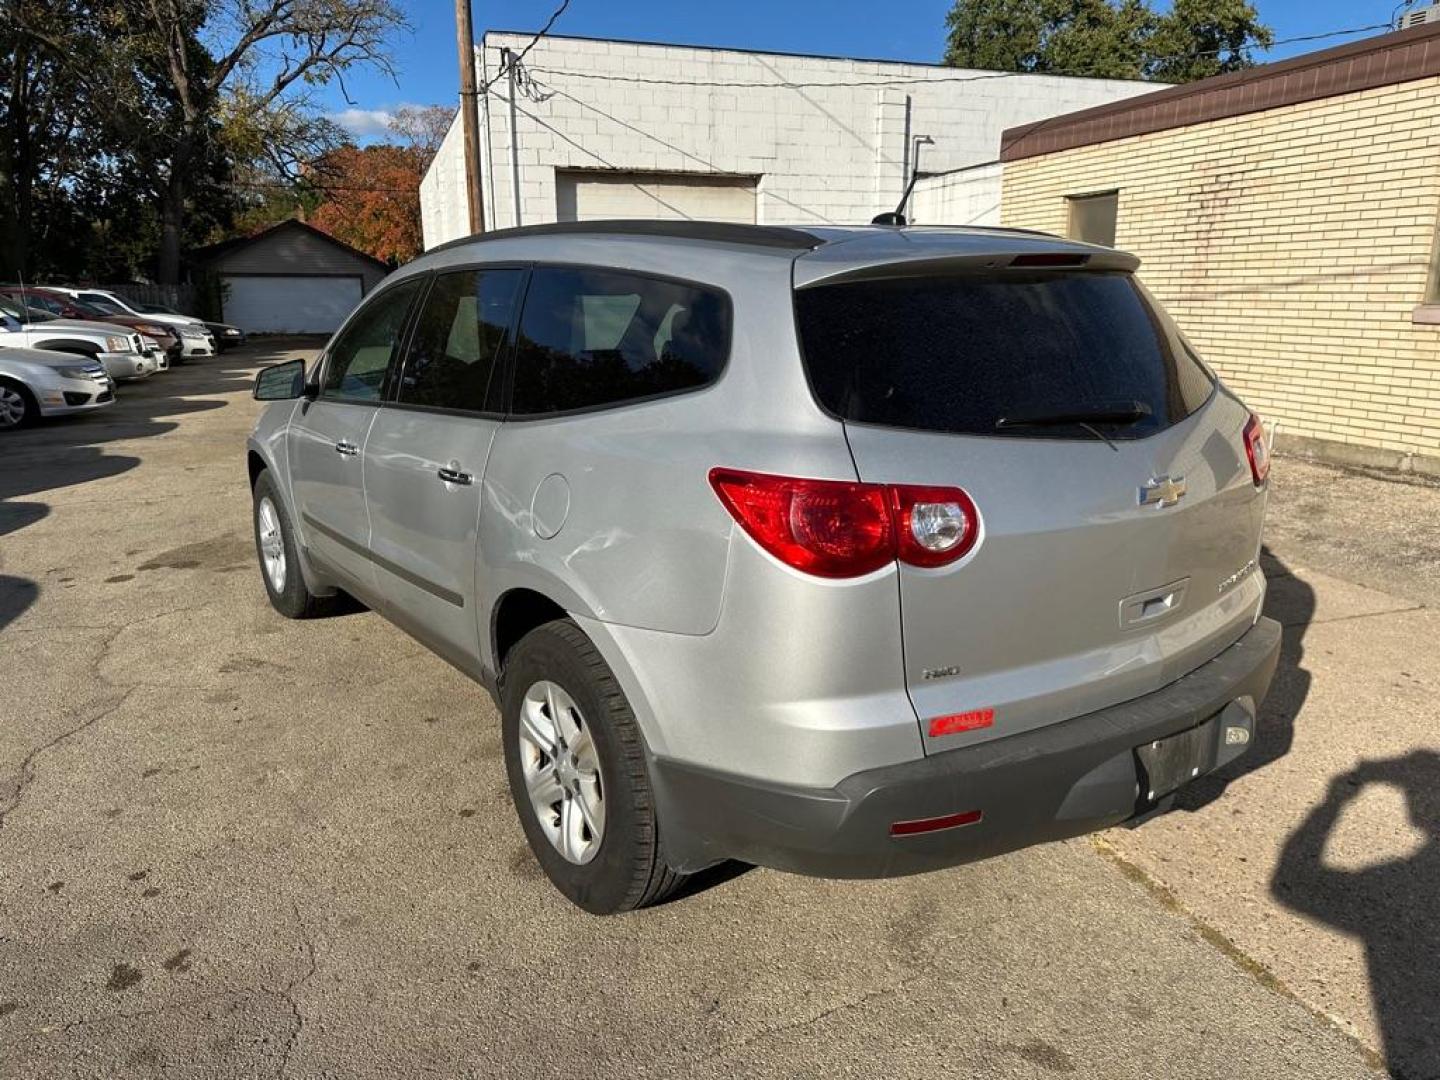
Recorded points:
(990, 355)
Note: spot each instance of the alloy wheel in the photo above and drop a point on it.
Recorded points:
(559, 761)
(12, 407)
(272, 545)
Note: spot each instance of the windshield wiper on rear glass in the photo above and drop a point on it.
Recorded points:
(1086, 416)
(1110, 412)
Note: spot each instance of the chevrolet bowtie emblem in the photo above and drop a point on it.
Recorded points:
(1162, 491)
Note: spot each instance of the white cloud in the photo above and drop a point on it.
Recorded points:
(364, 123)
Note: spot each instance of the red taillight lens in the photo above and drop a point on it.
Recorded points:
(831, 528)
(1257, 449)
(838, 528)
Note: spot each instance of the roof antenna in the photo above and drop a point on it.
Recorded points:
(896, 217)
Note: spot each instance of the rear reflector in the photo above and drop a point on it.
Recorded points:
(963, 721)
(935, 824)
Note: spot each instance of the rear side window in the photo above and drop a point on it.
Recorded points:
(960, 353)
(458, 338)
(590, 338)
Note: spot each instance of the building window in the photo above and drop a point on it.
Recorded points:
(1092, 217)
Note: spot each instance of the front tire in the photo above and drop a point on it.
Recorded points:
(279, 557)
(17, 405)
(576, 764)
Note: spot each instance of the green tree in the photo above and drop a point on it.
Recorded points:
(1105, 38)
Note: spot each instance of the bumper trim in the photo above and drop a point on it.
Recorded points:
(1050, 783)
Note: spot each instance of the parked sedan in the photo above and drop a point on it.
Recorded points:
(226, 336)
(121, 354)
(62, 305)
(195, 340)
(36, 383)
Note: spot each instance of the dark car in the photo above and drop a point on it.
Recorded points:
(68, 307)
(226, 336)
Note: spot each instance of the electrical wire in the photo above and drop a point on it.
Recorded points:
(517, 58)
(779, 84)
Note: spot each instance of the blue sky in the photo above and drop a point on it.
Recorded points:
(427, 69)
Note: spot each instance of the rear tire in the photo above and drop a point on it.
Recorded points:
(18, 407)
(279, 557)
(623, 868)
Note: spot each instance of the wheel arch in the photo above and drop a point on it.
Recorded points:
(516, 612)
(255, 465)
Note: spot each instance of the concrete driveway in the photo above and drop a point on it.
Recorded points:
(236, 846)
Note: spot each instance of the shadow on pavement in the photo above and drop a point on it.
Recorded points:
(14, 516)
(1390, 906)
(71, 450)
(16, 594)
(1291, 603)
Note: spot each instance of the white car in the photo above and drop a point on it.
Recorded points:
(195, 339)
(152, 350)
(121, 352)
(36, 383)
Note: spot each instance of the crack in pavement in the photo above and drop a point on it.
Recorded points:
(27, 765)
(1360, 615)
(287, 993)
(1170, 901)
(803, 1022)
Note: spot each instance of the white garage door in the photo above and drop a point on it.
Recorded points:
(589, 196)
(290, 305)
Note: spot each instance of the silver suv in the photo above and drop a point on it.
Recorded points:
(848, 551)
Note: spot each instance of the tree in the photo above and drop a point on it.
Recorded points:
(423, 128)
(208, 70)
(372, 199)
(1105, 38)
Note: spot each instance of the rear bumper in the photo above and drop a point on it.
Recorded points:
(1050, 783)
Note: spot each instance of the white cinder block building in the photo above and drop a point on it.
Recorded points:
(623, 129)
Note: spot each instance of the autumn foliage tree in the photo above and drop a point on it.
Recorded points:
(370, 195)
(371, 199)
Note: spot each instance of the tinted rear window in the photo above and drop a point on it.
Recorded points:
(959, 353)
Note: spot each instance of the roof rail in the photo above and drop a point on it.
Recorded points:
(723, 232)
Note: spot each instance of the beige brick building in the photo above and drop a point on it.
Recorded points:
(1287, 216)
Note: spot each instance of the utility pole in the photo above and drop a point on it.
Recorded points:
(507, 58)
(470, 115)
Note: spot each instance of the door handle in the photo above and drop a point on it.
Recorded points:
(349, 449)
(454, 476)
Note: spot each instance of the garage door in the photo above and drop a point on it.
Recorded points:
(589, 196)
(290, 305)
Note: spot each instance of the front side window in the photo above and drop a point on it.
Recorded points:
(357, 361)
(458, 339)
(105, 304)
(590, 338)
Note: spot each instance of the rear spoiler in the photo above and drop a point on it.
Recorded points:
(809, 273)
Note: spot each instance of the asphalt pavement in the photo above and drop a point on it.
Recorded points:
(237, 846)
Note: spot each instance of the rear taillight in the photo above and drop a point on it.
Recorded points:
(1257, 450)
(933, 525)
(838, 528)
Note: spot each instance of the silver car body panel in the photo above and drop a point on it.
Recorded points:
(732, 660)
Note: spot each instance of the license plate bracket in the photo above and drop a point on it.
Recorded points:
(1168, 764)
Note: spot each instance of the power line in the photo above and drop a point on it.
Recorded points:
(516, 58)
(780, 84)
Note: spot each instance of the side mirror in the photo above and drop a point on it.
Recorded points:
(281, 382)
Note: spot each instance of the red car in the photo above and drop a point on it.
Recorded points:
(68, 307)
